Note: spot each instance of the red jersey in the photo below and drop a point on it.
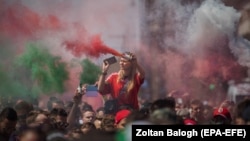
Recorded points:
(118, 90)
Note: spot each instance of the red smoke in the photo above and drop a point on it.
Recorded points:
(20, 21)
(92, 47)
(217, 65)
(193, 74)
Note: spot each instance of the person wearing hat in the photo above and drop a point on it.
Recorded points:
(189, 121)
(120, 118)
(221, 116)
(123, 85)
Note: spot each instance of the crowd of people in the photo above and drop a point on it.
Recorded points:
(75, 120)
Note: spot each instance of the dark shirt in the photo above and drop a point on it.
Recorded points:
(3, 138)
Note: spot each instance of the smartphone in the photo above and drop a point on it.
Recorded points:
(110, 60)
(79, 88)
(91, 91)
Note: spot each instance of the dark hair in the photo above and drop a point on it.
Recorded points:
(108, 121)
(111, 106)
(59, 112)
(52, 99)
(90, 125)
(164, 116)
(8, 113)
(99, 135)
(56, 136)
(87, 107)
(242, 109)
(163, 103)
(35, 130)
(220, 120)
(197, 102)
(24, 105)
(100, 109)
(31, 116)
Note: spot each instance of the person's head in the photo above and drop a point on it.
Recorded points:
(87, 127)
(87, 107)
(168, 102)
(141, 115)
(108, 123)
(23, 108)
(127, 69)
(31, 134)
(99, 135)
(183, 113)
(126, 63)
(208, 112)
(8, 121)
(39, 118)
(100, 112)
(229, 105)
(97, 122)
(49, 103)
(54, 102)
(57, 104)
(56, 136)
(58, 117)
(164, 116)
(189, 121)
(196, 109)
(242, 113)
(110, 106)
(221, 116)
(88, 115)
(121, 118)
(75, 133)
(99, 116)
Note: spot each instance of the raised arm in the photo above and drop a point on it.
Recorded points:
(72, 116)
(101, 82)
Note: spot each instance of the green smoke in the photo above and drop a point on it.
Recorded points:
(10, 86)
(47, 73)
(90, 72)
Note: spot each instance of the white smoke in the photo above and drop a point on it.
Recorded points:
(209, 24)
(241, 49)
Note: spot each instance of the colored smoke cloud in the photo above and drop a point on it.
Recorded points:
(200, 47)
(19, 21)
(64, 28)
(198, 42)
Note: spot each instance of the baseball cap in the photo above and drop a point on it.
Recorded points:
(121, 115)
(189, 121)
(222, 112)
